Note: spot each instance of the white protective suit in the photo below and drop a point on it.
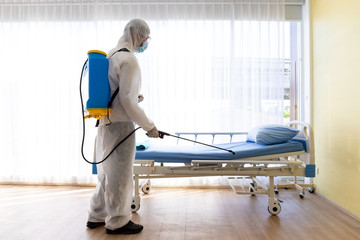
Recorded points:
(112, 198)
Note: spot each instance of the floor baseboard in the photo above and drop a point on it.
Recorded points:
(341, 208)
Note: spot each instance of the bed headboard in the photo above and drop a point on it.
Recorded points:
(307, 131)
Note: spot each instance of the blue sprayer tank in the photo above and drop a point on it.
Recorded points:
(99, 88)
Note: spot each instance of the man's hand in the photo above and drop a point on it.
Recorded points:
(153, 133)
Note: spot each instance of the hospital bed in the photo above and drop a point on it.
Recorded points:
(252, 161)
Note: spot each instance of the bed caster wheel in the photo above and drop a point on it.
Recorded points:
(275, 209)
(135, 205)
(301, 195)
(276, 191)
(146, 187)
(252, 190)
(135, 208)
(311, 190)
(253, 185)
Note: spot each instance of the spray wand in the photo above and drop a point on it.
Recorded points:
(162, 134)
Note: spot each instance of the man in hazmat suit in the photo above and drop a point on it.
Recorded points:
(111, 201)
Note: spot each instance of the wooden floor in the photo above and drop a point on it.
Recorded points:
(50, 213)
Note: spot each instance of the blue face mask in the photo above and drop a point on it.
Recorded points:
(142, 48)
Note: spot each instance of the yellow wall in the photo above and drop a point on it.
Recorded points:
(336, 111)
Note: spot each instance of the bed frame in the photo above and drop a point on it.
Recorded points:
(291, 164)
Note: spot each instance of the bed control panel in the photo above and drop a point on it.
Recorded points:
(310, 170)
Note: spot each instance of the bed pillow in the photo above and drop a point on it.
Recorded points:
(271, 134)
(301, 138)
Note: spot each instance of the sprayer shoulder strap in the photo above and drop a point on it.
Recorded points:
(117, 89)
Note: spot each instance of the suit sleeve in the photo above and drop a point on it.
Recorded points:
(129, 86)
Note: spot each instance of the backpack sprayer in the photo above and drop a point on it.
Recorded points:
(99, 103)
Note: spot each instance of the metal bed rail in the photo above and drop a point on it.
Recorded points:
(213, 134)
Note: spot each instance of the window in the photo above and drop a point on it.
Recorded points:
(292, 71)
(211, 66)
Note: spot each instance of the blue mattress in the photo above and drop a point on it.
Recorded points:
(185, 154)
